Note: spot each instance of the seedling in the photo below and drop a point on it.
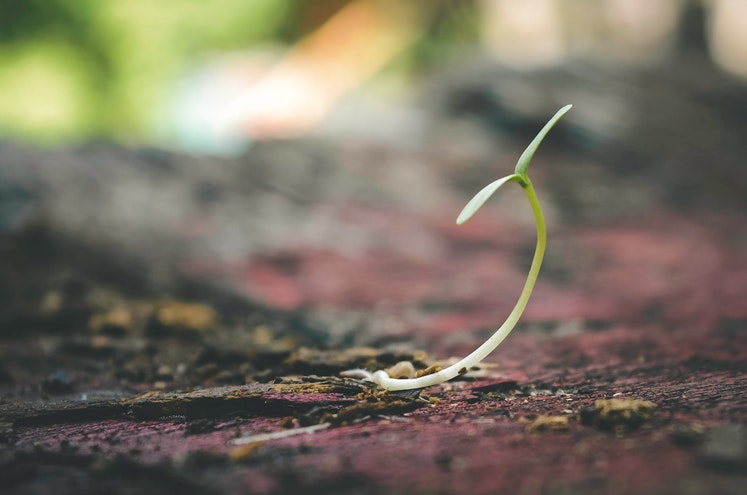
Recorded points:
(520, 177)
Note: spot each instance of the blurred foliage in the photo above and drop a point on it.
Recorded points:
(103, 68)
(450, 28)
(98, 67)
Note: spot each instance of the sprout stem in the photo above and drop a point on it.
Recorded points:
(473, 359)
(519, 176)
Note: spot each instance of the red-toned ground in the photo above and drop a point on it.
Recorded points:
(648, 310)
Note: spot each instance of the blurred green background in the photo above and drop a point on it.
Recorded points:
(87, 69)
(112, 69)
(72, 70)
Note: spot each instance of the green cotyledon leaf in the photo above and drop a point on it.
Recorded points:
(526, 157)
(480, 198)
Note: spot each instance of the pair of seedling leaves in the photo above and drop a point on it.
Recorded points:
(520, 177)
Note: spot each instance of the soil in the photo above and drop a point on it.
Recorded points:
(180, 324)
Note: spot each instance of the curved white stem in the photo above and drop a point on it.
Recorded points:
(461, 367)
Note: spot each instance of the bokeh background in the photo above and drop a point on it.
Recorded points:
(164, 74)
(311, 156)
(273, 148)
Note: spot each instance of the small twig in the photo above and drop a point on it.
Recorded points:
(276, 435)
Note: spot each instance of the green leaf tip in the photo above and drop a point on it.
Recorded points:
(526, 157)
(480, 198)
